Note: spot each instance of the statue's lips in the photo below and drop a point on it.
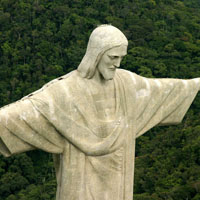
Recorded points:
(112, 68)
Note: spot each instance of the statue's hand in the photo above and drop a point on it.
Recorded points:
(197, 80)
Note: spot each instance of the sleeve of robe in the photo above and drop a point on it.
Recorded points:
(23, 128)
(162, 101)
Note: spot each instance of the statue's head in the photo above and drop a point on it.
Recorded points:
(106, 47)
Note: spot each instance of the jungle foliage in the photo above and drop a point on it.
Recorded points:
(43, 39)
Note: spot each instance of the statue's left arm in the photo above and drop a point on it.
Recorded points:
(162, 101)
(182, 101)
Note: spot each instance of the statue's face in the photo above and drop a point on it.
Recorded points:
(111, 60)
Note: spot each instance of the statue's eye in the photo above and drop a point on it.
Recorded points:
(113, 57)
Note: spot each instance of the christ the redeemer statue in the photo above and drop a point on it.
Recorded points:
(90, 119)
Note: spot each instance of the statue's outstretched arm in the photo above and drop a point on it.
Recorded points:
(22, 128)
(163, 101)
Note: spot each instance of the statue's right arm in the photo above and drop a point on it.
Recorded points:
(23, 128)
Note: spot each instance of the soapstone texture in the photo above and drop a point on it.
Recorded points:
(90, 119)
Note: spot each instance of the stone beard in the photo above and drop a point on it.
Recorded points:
(90, 119)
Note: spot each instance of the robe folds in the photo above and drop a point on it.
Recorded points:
(94, 158)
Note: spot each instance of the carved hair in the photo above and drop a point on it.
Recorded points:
(103, 38)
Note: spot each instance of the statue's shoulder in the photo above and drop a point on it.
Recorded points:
(62, 79)
(56, 84)
(131, 78)
(126, 74)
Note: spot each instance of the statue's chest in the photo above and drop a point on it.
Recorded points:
(105, 113)
(105, 106)
(101, 109)
(104, 100)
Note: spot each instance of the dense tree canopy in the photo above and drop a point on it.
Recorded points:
(43, 39)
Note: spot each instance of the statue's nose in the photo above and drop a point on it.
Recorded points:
(117, 62)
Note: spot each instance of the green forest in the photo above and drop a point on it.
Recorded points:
(43, 39)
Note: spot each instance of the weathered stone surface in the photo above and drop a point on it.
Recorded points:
(90, 118)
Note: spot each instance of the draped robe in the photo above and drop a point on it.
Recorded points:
(94, 157)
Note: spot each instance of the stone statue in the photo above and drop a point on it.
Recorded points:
(90, 119)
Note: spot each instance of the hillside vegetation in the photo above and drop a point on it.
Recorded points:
(43, 39)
